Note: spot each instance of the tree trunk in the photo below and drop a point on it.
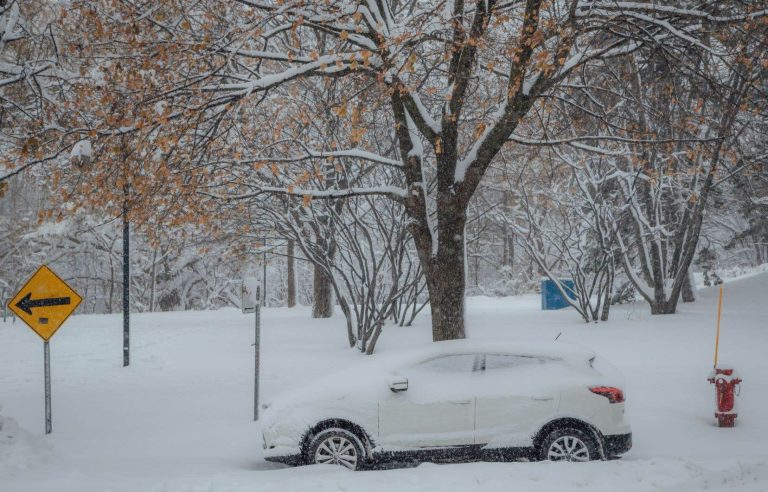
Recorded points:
(291, 275)
(323, 294)
(508, 256)
(348, 317)
(664, 306)
(111, 287)
(374, 337)
(689, 295)
(153, 280)
(607, 294)
(446, 298)
(446, 281)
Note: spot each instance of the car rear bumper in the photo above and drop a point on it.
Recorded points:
(617, 444)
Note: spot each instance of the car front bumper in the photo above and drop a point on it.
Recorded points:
(281, 445)
(290, 459)
(617, 444)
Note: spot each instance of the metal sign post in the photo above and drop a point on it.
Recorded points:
(250, 303)
(256, 352)
(47, 362)
(44, 303)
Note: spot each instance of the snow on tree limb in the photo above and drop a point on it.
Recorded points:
(330, 194)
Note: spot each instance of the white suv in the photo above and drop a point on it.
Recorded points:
(455, 400)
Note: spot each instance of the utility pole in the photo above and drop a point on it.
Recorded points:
(257, 355)
(291, 275)
(126, 274)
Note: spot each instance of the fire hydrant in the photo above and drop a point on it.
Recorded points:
(726, 382)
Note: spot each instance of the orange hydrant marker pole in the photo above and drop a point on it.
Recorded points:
(717, 336)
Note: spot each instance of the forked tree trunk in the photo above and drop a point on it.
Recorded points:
(291, 274)
(664, 306)
(323, 294)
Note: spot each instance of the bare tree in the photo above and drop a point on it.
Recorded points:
(565, 225)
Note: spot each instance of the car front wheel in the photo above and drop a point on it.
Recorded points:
(568, 445)
(336, 447)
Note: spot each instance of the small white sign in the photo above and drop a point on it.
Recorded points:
(249, 296)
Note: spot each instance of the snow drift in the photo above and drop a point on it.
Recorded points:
(19, 448)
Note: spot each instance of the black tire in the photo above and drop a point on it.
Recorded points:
(336, 446)
(568, 444)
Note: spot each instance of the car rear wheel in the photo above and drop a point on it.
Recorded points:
(336, 447)
(568, 444)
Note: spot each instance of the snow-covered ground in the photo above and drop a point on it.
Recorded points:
(179, 419)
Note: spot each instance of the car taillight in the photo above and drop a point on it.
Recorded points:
(614, 395)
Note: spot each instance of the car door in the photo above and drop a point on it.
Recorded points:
(517, 393)
(437, 409)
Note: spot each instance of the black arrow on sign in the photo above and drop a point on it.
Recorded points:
(26, 303)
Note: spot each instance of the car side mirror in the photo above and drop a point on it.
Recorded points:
(398, 384)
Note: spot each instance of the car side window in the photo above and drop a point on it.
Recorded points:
(494, 362)
(465, 363)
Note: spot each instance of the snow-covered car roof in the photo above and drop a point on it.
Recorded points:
(357, 377)
(549, 349)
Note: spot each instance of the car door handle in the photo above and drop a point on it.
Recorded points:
(465, 402)
(542, 398)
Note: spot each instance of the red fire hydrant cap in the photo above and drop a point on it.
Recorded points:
(724, 375)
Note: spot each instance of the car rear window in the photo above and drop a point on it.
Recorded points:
(451, 363)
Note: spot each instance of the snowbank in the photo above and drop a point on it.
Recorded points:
(19, 448)
(180, 417)
(673, 475)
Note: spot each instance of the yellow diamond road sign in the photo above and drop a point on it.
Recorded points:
(45, 302)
